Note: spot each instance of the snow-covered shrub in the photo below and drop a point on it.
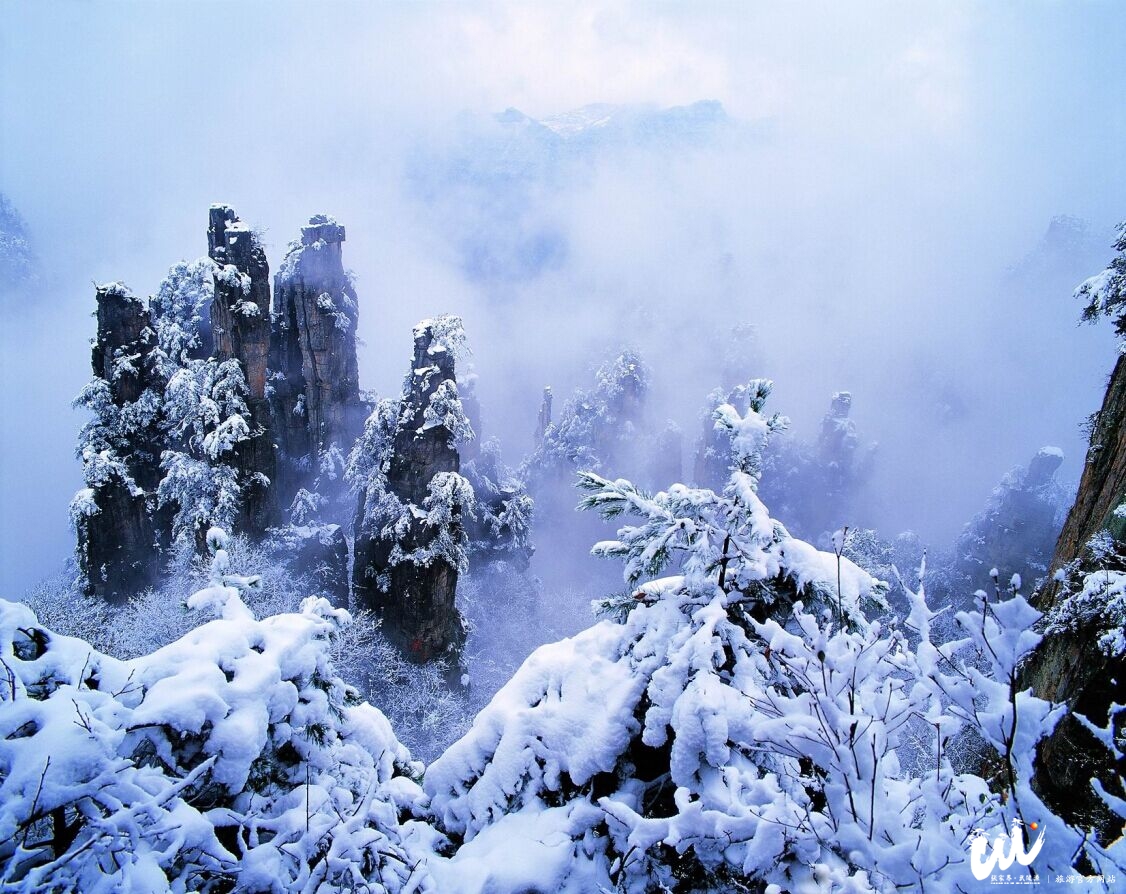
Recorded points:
(978, 679)
(444, 409)
(159, 615)
(370, 455)
(418, 700)
(449, 500)
(205, 411)
(181, 312)
(232, 759)
(629, 749)
(1093, 595)
(1104, 295)
(742, 726)
(61, 605)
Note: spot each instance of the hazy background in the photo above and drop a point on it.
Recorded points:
(875, 203)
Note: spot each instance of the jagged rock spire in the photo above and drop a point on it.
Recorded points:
(543, 423)
(116, 551)
(410, 535)
(314, 370)
(240, 329)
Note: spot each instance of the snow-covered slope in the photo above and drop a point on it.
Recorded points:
(232, 759)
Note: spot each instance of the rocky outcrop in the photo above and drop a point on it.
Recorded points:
(1071, 665)
(314, 372)
(117, 542)
(603, 428)
(211, 410)
(422, 449)
(240, 320)
(1015, 532)
(410, 536)
(117, 553)
(237, 410)
(240, 329)
(123, 343)
(1082, 657)
(1103, 485)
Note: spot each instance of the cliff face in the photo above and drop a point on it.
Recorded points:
(1071, 665)
(1103, 484)
(240, 329)
(410, 538)
(1082, 658)
(314, 372)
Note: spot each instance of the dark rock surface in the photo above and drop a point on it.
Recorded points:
(301, 392)
(240, 329)
(1069, 666)
(314, 371)
(415, 600)
(117, 544)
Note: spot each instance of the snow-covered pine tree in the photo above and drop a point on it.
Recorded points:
(713, 454)
(634, 741)
(814, 486)
(501, 527)
(204, 411)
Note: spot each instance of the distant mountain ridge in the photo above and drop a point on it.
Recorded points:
(636, 123)
(486, 191)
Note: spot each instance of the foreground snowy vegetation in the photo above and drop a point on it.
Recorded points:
(739, 721)
(234, 757)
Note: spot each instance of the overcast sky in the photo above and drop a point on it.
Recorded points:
(888, 162)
